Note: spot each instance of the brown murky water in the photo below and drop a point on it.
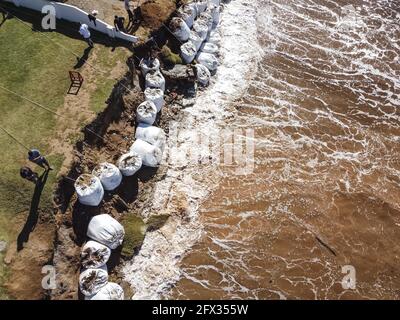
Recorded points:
(325, 190)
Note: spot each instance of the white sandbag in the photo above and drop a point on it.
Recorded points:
(208, 60)
(111, 291)
(146, 112)
(129, 163)
(188, 52)
(214, 37)
(92, 280)
(89, 190)
(94, 254)
(201, 6)
(215, 2)
(203, 74)
(156, 96)
(153, 135)
(188, 13)
(148, 65)
(208, 47)
(208, 19)
(180, 29)
(195, 39)
(201, 28)
(109, 175)
(154, 79)
(214, 12)
(151, 155)
(105, 229)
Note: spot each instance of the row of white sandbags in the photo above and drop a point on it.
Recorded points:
(105, 233)
(105, 176)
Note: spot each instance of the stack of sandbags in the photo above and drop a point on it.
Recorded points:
(154, 79)
(209, 47)
(146, 112)
(188, 13)
(148, 65)
(151, 155)
(92, 280)
(214, 37)
(106, 230)
(179, 29)
(129, 163)
(109, 175)
(153, 135)
(208, 20)
(111, 291)
(156, 96)
(89, 190)
(94, 254)
(214, 12)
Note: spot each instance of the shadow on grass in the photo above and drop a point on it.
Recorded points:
(33, 216)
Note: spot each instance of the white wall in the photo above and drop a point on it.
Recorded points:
(74, 14)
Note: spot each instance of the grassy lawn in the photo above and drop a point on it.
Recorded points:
(35, 67)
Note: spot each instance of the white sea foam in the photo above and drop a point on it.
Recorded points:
(156, 267)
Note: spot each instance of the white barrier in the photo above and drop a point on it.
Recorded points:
(74, 14)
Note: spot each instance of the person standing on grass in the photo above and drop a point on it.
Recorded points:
(29, 175)
(119, 23)
(85, 33)
(93, 17)
(35, 157)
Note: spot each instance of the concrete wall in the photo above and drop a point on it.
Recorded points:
(74, 14)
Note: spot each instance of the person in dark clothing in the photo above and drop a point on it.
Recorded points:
(119, 23)
(29, 175)
(35, 157)
(92, 17)
(129, 11)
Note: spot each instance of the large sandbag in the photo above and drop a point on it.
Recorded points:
(195, 39)
(105, 229)
(129, 163)
(208, 19)
(188, 52)
(201, 6)
(154, 79)
(94, 254)
(203, 74)
(89, 190)
(156, 96)
(146, 112)
(215, 2)
(92, 280)
(208, 60)
(214, 37)
(109, 175)
(180, 29)
(148, 65)
(151, 155)
(188, 13)
(214, 12)
(153, 135)
(208, 47)
(201, 28)
(111, 291)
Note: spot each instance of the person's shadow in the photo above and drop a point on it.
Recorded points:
(82, 60)
(33, 216)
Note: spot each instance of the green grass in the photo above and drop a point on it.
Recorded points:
(35, 67)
